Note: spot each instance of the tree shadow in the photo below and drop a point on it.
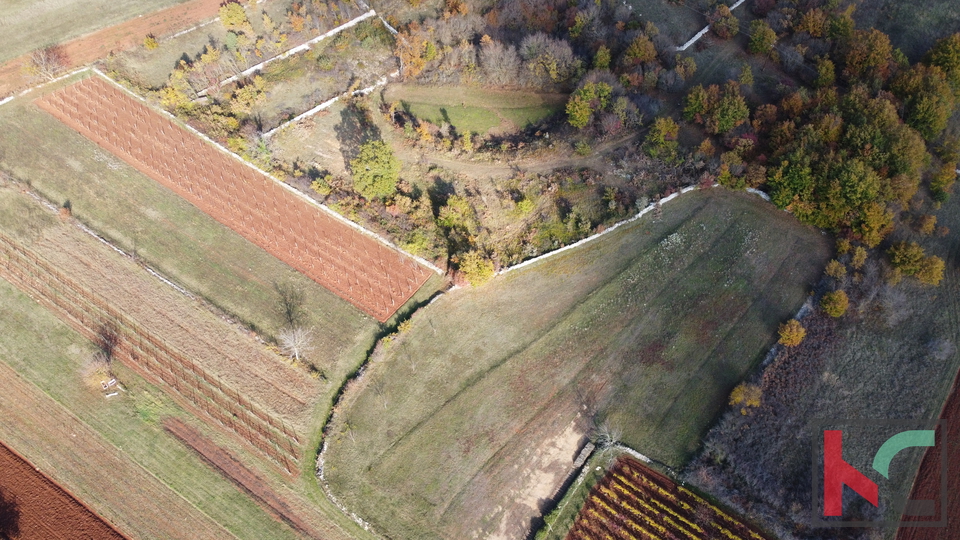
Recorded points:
(9, 517)
(354, 130)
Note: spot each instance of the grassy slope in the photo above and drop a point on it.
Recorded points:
(170, 234)
(665, 332)
(177, 239)
(46, 352)
(28, 25)
(473, 109)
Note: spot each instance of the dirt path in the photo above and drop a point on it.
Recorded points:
(91, 47)
(60, 445)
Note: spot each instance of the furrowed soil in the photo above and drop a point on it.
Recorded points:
(927, 485)
(468, 423)
(376, 278)
(41, 508)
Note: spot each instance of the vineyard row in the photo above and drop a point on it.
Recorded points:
(147, 354)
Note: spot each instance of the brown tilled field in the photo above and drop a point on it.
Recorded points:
(211, 366)
(34, 506)
(928, 481)
(374, 277)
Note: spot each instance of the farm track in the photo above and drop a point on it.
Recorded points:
(375, 278)
(86, 49)
(46, 510)
(230, 467)
(105, 295)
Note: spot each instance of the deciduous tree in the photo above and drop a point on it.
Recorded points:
(792, 333)
(375, 171)
(835, 303)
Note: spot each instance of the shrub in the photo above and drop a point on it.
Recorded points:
(931, 271)
(835, 303)
(748, 395)
(859, 257)
(476, 268)
(836, 269)
(792, 333)
(150, 42)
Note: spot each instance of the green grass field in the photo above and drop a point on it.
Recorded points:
(474, 109)
(28, 25)
(646, 330)
(47, 353)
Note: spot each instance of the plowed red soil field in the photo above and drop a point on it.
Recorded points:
(927, 484)
(99, 44)
(34, 507)
(367, 273)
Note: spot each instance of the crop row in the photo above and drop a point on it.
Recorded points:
(633, 502)
(146, 353)
(372, 276)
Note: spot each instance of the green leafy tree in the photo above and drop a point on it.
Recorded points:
(907, 257)
(762, 37)
(928, 99)
(826, 73)
(724, 23)
(697, 104)
(835, 303)
(946, 56)
(731, 110)
(602, 59)
(579, 111)
(661, 141)
(375, 171)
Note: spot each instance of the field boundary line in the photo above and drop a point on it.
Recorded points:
(11, 97)
(284, 185)
(650, 207)
(701, 33)
(329, 103)
(299, 48)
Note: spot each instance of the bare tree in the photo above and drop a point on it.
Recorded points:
(49, 62)
(607, 435)
(290, 303)
(107, 340)
(296, 342)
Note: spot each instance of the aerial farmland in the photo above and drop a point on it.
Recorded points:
(479, 269)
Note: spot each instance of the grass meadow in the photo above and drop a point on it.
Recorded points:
(645, 331)
(473, 109)
(48, 355)
(29, 25)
